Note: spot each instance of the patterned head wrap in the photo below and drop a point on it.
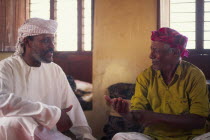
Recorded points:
(32, 27)
(171, 37)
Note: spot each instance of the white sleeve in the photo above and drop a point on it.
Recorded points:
(83, 132)
(80, 126)
(11, 105)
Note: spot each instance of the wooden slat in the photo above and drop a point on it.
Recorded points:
(10, 25)
(92, 22)
(17, 12)
(20, 15)
(12, 15)
(79, 7)
(27, 6)
(52, 7)
(199, 24)
(2, 23)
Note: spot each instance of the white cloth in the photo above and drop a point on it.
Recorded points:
(39, 88)
(140, 136)
(32, 27)
(131, 136)
(14, 128)
(205, 136)
(42, 133)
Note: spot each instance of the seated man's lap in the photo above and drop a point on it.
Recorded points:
(131, 136)
(205, 136)
(16, 127)
(25, 128)
(140, 136)
(42, 133)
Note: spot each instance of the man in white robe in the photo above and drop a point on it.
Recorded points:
(36, 101)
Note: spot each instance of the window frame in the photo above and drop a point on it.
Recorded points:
(80, 49)
(164, 11)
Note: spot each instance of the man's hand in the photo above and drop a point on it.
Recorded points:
(64, 122)
(119, 105)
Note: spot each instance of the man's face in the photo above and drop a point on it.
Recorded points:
(160, 55)
(42, 47)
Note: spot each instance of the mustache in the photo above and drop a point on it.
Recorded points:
(51, 50)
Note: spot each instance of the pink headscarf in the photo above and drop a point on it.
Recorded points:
(171, 37)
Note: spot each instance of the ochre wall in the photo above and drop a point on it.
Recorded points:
(122, 30)
(12, 14)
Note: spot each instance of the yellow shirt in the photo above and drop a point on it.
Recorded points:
(187, 93)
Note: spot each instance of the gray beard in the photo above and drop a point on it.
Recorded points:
(40, 59)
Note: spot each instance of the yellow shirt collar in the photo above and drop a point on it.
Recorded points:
(178, 70)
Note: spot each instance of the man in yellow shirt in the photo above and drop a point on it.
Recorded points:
(171, 97)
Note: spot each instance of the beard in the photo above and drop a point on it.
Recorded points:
(43, 56)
